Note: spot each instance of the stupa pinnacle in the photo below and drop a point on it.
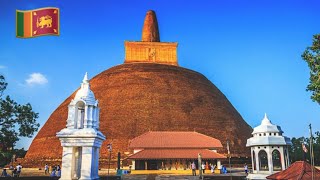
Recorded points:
(150, 31)
(150, 49)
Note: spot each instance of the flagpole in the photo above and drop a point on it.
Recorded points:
(311, 153)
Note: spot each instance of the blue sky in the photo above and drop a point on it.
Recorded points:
(251, 50)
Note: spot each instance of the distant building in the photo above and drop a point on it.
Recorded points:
(269, 150)
(170, 150)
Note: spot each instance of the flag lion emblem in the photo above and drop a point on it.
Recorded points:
(44, 21)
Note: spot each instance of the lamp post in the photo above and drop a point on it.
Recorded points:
(110, 150)
(228, 148)
(199, 165)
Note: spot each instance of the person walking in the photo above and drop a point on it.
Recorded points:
(246, 169)
(19, 168)
(203, 167)
(53, 173)
(193, 167)
(224, 170)
(58, 171)
(14, 172)
(58, 168)
(212, 168)
(46, 169)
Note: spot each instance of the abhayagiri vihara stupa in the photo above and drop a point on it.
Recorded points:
(148, 92)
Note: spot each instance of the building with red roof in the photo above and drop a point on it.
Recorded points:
(300, 170)
(173, 150)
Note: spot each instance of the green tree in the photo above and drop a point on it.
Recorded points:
(3, 84)
(316, 147)
(312, 56)
(16, 121)
(296, 153)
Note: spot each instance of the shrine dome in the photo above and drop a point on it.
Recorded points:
(267, 134)
(85, 93)
(266, 127)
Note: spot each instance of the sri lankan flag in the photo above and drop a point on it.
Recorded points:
(37, 22)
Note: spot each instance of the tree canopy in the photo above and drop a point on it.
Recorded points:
(297, 153)
(3, 84)
(312, 56)
(16, 121)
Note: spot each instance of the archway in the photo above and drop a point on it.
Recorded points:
(276, 160)
(76, 162)
(79, 115)
(263, 160)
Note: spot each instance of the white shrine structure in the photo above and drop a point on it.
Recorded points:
(269, 150)
(81, 139)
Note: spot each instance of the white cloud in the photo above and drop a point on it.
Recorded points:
(2, 67)
(36, 78)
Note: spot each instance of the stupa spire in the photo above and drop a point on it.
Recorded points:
(85, 78)
(265, 120)
(85, 92)
(150, 31)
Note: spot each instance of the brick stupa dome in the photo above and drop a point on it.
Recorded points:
(149, 95)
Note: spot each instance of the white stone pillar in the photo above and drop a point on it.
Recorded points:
(98, 118)
(90, 115)
(283, 165)
(86, 116)
(257, 160)
(133, 165)
(252, 159)
(66, 159)
(96, 171)
(94, 166)
(86, 163)
(269, 157)
(94, 117)
(218, 164)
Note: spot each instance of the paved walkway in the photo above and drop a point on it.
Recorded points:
(35, 174)
(180, 177)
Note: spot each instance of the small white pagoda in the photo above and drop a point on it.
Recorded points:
(81, 139)
(269, 150)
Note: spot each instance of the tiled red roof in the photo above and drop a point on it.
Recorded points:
(176, 154)
(300, 170)
(174, 139)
